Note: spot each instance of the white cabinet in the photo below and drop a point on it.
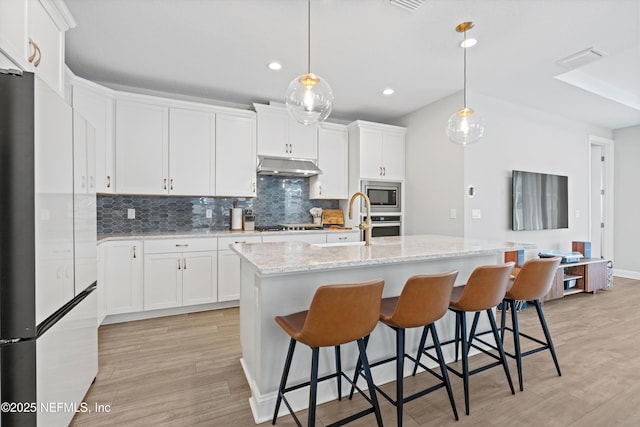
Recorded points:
(191, 152)
(13, 31)
(122, 274)
(96, 104)
(142, 148)
(229, 267)
(235, 147)
(84, 203)
(180, 272)
(333, 161)
(281, 136)
(297, 237)
(377, 150)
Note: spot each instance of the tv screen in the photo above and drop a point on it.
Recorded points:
(540, 201)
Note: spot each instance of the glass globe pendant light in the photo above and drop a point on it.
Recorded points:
(309, 97)
(465, 126)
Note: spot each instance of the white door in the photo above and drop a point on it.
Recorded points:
(235, 169)
(162, 281)
(191, 152)
(199, 277)
(597, 202)
(142, 148)
(123, 286)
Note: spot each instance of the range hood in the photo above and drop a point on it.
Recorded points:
(287, 167)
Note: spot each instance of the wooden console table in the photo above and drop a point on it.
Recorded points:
(586, 275)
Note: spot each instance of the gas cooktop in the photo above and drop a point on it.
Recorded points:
(289, 227)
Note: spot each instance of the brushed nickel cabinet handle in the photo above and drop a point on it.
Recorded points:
(253, 187)
(108, 181)
(84, 179)
(134, 252)
(164, 184)
(171, 184)
(92, 182)
(184, 264)
(181, 245)
(179, 265)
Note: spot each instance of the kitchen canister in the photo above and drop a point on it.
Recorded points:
(236, 218)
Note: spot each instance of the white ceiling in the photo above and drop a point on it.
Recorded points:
(219, 49)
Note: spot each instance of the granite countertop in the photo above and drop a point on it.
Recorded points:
(207, 233)
(280, 258)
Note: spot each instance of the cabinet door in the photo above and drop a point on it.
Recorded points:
(296, 237)
(333, 182)
(123, 286)
(162, 281)
(191, 152)
(141, 148)
(50, 40)
(97, 109)
(302, 140)
(199, 277)
(273, 129)
(228, 276)
(235, 170)
(596, 276)
(371, 153)
(393, 156)
(343, 237)
(13, 30)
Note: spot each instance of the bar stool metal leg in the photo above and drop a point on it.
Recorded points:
(547, 335)
(338, 369)
(370, 384)
(399, 373)
(516, 340)
(465, 358)
(283, 381)
(315, 353)
(443, 367)
(503, 356)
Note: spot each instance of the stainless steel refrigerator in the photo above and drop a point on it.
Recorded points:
(48, 308)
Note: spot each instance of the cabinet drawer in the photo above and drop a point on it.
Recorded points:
(180, 245)
(338, 237)
(224, 242)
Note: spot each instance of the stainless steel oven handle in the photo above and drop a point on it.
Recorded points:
(385, 224)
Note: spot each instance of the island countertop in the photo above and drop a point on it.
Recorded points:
(291, 257)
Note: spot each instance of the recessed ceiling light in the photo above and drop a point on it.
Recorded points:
(468, 42)
(388, 91)
(275, 66)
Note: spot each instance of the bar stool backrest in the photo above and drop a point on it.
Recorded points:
(342, 313)
(535, 279)
(485, 288)
(423, 300)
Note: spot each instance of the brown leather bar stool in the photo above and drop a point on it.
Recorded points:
(532, 283)
(338, 314)
(423, 300)
(484, 290)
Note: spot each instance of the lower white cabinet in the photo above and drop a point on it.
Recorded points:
(121, 271)
(229, 267)
(302, 237)
(180, 272)
(343, 236)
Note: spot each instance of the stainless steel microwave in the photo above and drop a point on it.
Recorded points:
(384, 196)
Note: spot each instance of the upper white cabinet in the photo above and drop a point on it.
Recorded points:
(333, 160)
(281, 136)
(32, 36)
(377, 150)
(142, 148)
(235, 148)
(96, 105)
(191, 152)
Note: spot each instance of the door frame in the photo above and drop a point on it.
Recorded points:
(607, 234)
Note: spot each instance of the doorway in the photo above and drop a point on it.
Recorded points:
(601, 197)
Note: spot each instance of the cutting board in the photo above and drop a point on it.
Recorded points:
(332, 216)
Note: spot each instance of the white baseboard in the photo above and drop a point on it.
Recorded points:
(140, 315)
(628, 274)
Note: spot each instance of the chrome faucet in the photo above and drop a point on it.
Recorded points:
(367, 225)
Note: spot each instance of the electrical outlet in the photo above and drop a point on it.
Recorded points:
(209, 213)
(131, 214)
(453, 214)
(476, 214)
(577, 214)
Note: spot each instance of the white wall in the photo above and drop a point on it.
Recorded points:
(627, 202)
(516, 137)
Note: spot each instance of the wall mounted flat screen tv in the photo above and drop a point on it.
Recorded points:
(540, 201)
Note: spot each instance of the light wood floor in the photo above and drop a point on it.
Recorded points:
(184, 371)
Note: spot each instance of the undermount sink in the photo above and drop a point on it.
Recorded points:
(331, 245)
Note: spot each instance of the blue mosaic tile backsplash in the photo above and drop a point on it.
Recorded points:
(280, 200)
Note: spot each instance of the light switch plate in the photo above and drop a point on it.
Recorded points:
(453, 214)
(209, 213)
(476, 214)
(131, 214)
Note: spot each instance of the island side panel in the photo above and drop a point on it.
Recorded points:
(264, 344)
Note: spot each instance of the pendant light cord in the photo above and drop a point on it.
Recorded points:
(464, 92)
(308, 36)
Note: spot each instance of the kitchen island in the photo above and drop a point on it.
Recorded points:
(281, 278)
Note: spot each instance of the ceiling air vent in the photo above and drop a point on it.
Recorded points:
(581, 58)
(411, 5)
